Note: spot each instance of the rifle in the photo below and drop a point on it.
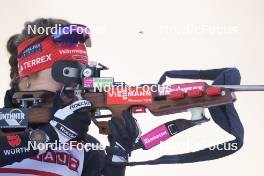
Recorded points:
(160, 100)
(119, 98)
(175, 102)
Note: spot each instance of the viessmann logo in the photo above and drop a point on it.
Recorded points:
(10, 117)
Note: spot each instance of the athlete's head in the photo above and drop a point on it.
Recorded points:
(33, 54)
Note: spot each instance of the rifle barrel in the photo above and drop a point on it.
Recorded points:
(242, 87)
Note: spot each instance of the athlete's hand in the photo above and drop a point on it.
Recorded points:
(123, 137)
(69, 122)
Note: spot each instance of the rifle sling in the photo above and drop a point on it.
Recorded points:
(224, 116)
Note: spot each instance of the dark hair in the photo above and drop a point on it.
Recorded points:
(16, 39)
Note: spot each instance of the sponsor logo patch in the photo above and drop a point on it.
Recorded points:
(72, 51)
(13, 118)
(66, 131)
(166, 90)
(80, 104)
(32, 63)
(79, 57)
(13, 140)
(129, 95)
(101, 82)
(31, 50)
(61, 158)
(155, 137)
(15, 151)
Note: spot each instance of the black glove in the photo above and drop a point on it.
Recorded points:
(123, 137)
(69, 122)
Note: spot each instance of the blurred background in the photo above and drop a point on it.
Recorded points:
(141, 39)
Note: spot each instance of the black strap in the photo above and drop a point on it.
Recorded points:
(224, 116)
